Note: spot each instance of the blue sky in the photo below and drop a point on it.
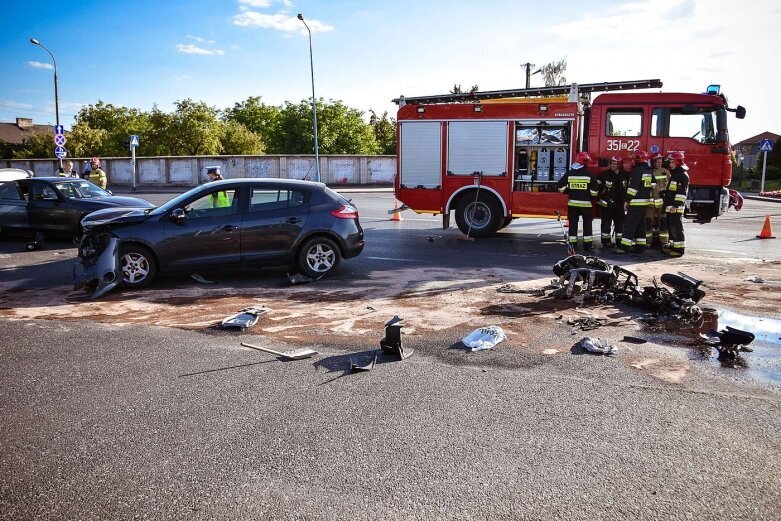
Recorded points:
(143, 52)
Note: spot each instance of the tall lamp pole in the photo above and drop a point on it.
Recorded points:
(314, 100)
(56, 94)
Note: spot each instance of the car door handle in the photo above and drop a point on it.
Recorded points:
(229, 228)
(294, 220)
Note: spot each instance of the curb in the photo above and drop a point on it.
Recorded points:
(760, 198)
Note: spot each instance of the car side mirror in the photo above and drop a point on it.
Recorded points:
(178, 216)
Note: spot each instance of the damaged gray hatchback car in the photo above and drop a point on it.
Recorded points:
(220, 225)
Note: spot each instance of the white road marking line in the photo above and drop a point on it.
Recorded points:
(725, 251)
(391, 259)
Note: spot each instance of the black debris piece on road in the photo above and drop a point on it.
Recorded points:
(586, 323)
(363, 365)
(392, 344)
(729, 342)
(298, 278)
(633, 340)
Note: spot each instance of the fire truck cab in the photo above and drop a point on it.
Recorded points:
(491, 157)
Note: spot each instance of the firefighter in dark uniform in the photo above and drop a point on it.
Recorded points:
(581, 186)
(655, 218)
(638, 196)
(674, 204)
(612, 189)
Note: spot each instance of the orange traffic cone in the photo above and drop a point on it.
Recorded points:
(767, 231)
(396, 214)
(566, 223)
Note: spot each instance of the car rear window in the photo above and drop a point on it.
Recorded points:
(265, 199)
(337, 196)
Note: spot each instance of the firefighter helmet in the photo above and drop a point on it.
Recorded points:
(675, 158)
(641, 156)
(656, 156)
(617, 159)
(583, 158)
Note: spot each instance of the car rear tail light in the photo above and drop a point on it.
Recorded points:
(346, 211)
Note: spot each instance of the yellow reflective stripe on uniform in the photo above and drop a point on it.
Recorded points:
(641, 241)
(579, 204)
(631, 191)
(593, 193)
(673, 185)
(639, 202)
(562, 189)
(609, 184)
(680, 197)
(602, 203)
(678, 244)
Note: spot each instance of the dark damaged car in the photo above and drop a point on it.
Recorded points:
(219, 225)
(54, 205)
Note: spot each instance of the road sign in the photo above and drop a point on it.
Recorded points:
(765, 145)
(59, 140)
(60, 152)
(133, 141)
(59, 129)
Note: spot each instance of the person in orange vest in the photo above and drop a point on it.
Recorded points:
(638, 197)
(674, 204)
(581, 186)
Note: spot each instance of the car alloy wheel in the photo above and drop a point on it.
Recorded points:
(319, 256)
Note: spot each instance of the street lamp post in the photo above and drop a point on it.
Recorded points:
(56, 94)
(314, 100)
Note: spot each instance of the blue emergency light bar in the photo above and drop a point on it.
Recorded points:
(714, 90)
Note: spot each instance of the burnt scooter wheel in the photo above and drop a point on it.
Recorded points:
(137, 265)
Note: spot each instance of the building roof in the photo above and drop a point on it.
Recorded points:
(759, 137)
(14, 133)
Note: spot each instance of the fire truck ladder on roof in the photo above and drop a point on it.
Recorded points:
(573, 90)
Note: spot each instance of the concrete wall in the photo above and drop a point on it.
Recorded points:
(191, 171)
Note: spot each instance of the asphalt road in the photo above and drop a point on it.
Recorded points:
(116, 422)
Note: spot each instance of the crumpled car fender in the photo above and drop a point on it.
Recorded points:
(101, 270)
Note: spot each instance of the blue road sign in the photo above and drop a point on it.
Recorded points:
(59, 140)
(59, 129)
(765, 145)
(60, 152)
(133, 141)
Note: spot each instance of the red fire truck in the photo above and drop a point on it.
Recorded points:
(493, 156)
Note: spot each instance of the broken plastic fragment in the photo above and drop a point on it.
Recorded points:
(244, 319)
(484, 338)
(598, 346)
(755, 278)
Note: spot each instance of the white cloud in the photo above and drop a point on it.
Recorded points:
(14, 105)
(200, 39)
(40, 65)
(194, 49)
(256, 3)
(280, 22)
(182, 77)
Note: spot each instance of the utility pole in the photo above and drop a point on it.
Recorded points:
(529, 67)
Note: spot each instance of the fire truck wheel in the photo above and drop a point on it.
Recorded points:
(478, 218)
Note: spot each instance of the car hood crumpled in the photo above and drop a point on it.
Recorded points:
(111, 216)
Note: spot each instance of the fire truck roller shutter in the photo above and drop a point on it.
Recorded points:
(477, 146)
(421, 154)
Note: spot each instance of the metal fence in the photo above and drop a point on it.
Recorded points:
(190, 171)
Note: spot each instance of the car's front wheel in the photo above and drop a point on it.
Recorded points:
(137, 264)
(318, 256)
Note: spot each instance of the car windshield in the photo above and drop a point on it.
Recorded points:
(82, 189)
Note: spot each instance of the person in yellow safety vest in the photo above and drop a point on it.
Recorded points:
(675, 204)
(638, 196)
(581, 186)
(219, 199)
(66, 170)
(655, 218)
(96, 175)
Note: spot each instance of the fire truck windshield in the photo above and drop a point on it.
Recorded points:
(702, 126)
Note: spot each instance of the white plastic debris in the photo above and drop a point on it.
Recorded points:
(755, 278)
(599, 346)
(484, 338)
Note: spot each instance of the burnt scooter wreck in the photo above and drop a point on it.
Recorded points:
(600, 281)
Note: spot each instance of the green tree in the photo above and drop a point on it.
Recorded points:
(36, 145)
(384, 129)
(238, 139)
(553, 73)
(458, 90)
(341, 130)
(193, 129)
(85, 141)
(258, 117)
(119, 123)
